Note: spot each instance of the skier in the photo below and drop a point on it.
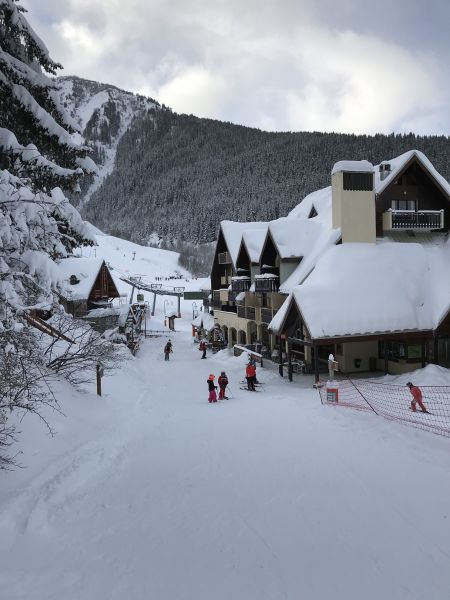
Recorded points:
(168, 350)
(250, 375)
(417, 397)
(223, 382)
(212, 389)
(202, 348)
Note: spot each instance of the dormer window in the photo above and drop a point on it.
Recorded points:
(312, 212)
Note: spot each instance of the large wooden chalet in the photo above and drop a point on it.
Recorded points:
(292, 284)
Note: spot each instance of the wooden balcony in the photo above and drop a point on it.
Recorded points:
(267, 314)
(240, 284)
(246, 312)
(421, 220)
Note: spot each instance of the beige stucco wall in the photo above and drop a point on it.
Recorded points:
(353, 212)
(254, 270)
(365, 351)
(354, 350)
(287, 267)
(397, 368)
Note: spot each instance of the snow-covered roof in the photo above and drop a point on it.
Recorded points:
(232, 233)
(398, 163)
(204, 321)
(293, 238)
(325, 238)
(359, 289)
(321, 201)
(353, 166)
(253, 240)
(84, 269)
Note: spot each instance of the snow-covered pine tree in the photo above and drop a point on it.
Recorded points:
(40, 153)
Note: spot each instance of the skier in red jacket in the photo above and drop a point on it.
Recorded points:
(250, 374)
(223, 382)
(417, 397)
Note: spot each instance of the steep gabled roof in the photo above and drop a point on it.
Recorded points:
(232, 233)
(85, 270)
(398, 165)
(253, 240)
(293, 238)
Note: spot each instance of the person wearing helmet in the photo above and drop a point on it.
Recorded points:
(417, 397)
(223, 382)
(212, 389)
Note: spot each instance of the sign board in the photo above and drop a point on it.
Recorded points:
(194, 295)
(332, 394)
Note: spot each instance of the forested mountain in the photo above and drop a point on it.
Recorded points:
(103, 113)
(179, 175)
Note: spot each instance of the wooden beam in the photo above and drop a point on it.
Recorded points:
(397, 335)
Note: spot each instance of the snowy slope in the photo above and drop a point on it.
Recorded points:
(87, 103)
(150, 492)
(153, 265)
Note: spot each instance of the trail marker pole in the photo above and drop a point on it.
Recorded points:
(99, 372)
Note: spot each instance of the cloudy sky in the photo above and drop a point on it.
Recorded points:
(349, 65)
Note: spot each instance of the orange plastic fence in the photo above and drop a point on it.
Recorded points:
(394, 402)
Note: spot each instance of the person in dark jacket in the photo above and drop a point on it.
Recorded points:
(212, 389)
(168, 350)
(223, 382)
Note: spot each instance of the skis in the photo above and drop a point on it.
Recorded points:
(247, 390)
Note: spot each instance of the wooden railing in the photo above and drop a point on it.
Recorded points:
(267, 284)
(409, 219)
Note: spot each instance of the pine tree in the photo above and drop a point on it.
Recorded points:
(40, 153)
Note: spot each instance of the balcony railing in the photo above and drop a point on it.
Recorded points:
(267, 315)
(264, 283)
(246, 312)
(240, 284)
(410, 219)
(224, 258)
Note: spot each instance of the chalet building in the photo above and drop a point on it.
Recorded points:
(86, 285)
(356, 269)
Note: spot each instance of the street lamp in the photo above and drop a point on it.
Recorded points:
(166, 302)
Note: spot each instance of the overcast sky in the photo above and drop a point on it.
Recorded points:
(349, 65)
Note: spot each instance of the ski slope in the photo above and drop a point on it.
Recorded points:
(152, 493)
(154, 265)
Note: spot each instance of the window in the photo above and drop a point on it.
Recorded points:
(404, 205)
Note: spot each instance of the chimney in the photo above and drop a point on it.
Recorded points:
(353, 201)
(385, 170)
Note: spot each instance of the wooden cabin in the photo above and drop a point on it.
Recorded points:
(86, 284)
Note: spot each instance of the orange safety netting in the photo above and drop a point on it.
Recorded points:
(394, 402)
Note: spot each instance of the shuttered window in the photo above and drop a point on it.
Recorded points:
(358, 182)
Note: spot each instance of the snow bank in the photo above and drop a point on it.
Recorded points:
(430, 375)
